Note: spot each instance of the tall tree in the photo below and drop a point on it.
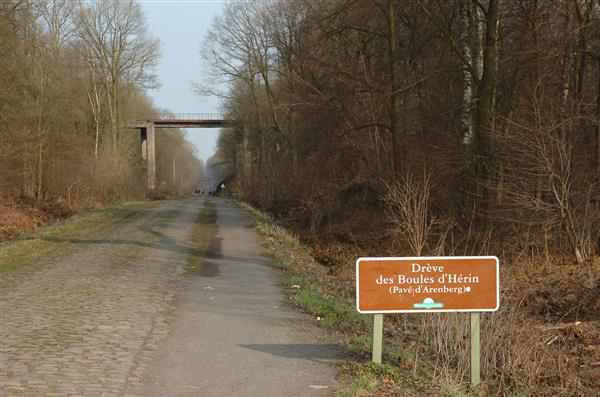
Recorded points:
(116, 36)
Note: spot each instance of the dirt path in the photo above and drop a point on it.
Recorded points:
(118, 317)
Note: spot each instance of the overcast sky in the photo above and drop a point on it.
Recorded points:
(180, 25)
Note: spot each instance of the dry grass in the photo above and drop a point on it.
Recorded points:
(17, 217)
(542, 340)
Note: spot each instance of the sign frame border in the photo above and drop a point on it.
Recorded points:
(428, 310)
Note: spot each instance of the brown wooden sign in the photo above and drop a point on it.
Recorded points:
(427, 284)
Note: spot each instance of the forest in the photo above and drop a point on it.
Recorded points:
(430, 127)
(367, 128)
(73, 78)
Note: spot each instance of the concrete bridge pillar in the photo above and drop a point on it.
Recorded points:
(149, 153)
(144, 139)
(151, 158)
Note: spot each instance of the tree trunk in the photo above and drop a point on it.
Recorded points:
(485, 103)
(95, 107)
(466, 118)
(40, 170)
(40, 136)
(116, 115)
(597, 143)
(397, 153)
(174, 173)
(111, 96)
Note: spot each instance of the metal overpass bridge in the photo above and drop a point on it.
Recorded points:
(185, 120)
(148, 123)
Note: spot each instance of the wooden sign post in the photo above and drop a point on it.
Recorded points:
(475, 349)
(425, 285)
(377, 337)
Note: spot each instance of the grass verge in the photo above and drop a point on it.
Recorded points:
(54, 240)
(202, 239)
(332, 304)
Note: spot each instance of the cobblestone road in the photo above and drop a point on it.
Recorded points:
(89, 323)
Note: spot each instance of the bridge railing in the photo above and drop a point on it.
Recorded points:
(183, 116)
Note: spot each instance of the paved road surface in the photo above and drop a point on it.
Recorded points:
(119, 318)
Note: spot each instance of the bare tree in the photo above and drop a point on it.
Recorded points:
(408, 208)
(566, 197)
(58, 18)
(124, 52)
